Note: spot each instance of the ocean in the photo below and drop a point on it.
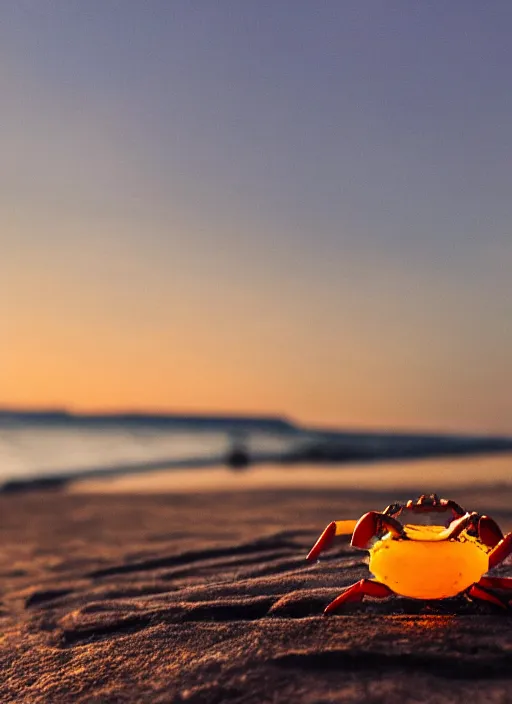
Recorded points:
(194, 453)
(38, 445)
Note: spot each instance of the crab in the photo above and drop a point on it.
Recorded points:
(430, 548)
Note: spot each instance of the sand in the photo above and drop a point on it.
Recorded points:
(207, 599)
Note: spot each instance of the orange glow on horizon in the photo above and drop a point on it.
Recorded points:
(192, 222)
(97, 360)
(86, 364)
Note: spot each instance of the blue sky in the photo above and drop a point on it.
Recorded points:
(274, 206)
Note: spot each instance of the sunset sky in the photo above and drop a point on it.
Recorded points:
(280, 206)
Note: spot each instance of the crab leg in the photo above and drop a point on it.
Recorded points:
(501, 551)
(457, 510)
(324, 541)
(495, 582)
(455, 528)
(365, 587)
(478, 592)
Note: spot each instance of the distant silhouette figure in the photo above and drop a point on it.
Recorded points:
(238, 457)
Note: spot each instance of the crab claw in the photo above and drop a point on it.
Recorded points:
(489, 531)
(372, 524)
(366, 528)
(323, 542)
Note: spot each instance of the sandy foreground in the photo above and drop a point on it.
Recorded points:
(208, 599)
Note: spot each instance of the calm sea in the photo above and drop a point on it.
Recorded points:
(152, 456)
(32, 449)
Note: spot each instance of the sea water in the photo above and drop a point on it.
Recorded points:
(35, 448)
(151, 455)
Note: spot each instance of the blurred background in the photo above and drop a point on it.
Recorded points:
(270, 232)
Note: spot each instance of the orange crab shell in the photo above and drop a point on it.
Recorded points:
(427, 567)
(421, 559)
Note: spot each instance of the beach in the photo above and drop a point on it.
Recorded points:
(256, 267)
(207, 597)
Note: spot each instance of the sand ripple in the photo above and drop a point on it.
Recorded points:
(195, 599)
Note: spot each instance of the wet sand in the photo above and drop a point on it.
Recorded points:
(208, 599)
